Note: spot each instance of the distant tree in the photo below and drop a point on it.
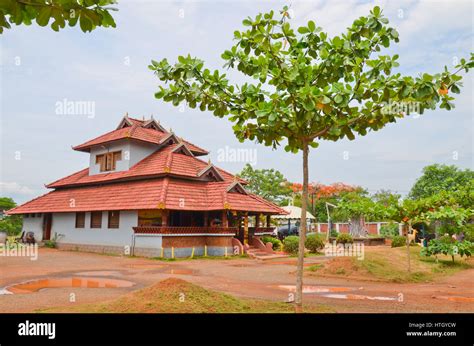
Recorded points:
(11, 224)
(89, 13)
(7, 203)
(386, 197)
(357, 208)
(267, 183)
(437, 178)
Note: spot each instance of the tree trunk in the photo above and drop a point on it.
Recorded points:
(357, 227)
(304, 200)
(408, 247)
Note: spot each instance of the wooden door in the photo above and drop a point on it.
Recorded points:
(47, 224)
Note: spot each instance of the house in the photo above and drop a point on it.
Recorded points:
(147, 192)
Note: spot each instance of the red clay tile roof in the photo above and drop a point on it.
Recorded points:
(162, 162)
(135, 132)
(171, 178)
(169, 193)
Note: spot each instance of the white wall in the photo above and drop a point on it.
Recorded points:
(34, 224)
(132, 152)
(140, 150)
(64, 223)
(153, 241)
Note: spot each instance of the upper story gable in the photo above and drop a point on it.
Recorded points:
(132, 141)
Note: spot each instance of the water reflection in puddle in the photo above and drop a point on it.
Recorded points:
(356, 297)
(457, 299)
(318, 289)
(100, 273)
(332, 292)
(180, 271)
(76, 282)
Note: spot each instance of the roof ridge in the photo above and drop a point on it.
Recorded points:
(164, 192)
(169, 162)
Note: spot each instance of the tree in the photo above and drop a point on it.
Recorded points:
(307, 87)
(267, 183)
(438, 178)
(386, 197)
(11, 224)
(89, 13)
(7, 203)
(357, 208)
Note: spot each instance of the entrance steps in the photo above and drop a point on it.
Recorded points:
(254, 252)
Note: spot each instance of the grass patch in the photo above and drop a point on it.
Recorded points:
(178, 296)
(314, 267)
(390, 265)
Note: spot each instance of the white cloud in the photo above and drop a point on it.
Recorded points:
(13, 188)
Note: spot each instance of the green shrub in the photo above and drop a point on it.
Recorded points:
(314, 243)
(334, 233)
(389, 230)
(276, 243)
(398, 241)
(468, 231)
(290, 244)
(50, 243)
(448, 246)
(344, 238)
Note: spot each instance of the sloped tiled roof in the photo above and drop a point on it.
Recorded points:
(171, 178)
(162, 162)
(162, 193)
(135, 132)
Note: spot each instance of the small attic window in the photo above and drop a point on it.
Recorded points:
(108, 161)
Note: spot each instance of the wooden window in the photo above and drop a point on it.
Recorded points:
(96, 219)
(108, 161)
(114, 219)
(100, 159)
(80, 219)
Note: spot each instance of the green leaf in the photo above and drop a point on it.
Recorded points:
(311, 26)
(376, 11)
(303, 30)
(43, 16)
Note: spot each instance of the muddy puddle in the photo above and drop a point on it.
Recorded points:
(145, 266)
(100, 273)
(356, 297)
(73, 282)
(318, 289)
(337, 292)
(457, 299)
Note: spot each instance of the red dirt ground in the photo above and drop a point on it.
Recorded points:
(240, 277)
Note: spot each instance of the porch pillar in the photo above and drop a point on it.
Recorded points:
(224, 219)
(164, 218)
(268, 221)
(246, 228)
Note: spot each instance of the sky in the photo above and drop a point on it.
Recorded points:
(106, 70)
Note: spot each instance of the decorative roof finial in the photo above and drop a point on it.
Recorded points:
(171, 130)
(151, 117)
(143, 117)
(126, 114)
(209, 161)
